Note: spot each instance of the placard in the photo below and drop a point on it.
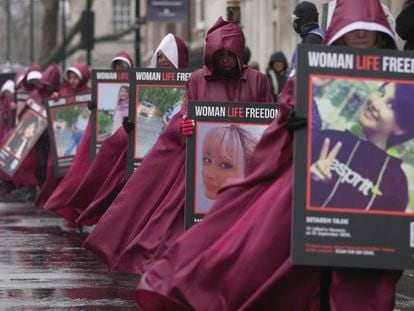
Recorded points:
(110, 92)
(354, 167)
(225, 136)
(22, 138)
(69, 117)
(156, 95)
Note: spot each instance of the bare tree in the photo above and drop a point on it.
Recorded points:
(49, 28)
(54, 53)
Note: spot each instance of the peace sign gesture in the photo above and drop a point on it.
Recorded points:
(320, 170)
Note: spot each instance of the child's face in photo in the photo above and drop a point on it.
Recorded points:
(73, 79)
(377, 115)
(217, 168)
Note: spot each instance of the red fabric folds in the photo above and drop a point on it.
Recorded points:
(110, 188)
(94, 179)
(71, 181)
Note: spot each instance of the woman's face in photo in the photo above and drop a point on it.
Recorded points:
(29, 131)
(123, 94)
(377, 115)
(217, 168)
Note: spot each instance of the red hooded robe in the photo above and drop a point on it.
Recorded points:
(51, 182)
(238, 257)
(28, 172)
(76, 174)
(148, 214)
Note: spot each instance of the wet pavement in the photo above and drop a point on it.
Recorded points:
(44, 267)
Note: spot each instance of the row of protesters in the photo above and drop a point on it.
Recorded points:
(82, 166)
(26, 81)
(172, 53)
(214, 265)
(223, 263)
(76, 80)
(149, 211)
(106, 176)
(33, 172)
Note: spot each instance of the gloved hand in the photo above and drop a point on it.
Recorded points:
(127, 124)
(294, 122)
(91, 105)
(187, 126)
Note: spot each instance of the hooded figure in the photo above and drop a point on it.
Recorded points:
(81, 161)
(277, 72)
(107, 184)
(223, 263)
(305, 23)
(81, 71)
(48, 83)
(174, 49)
(32, 171)
(122, 61)
(149, 211)
(83, 74)
(405, 24)
(31, 77)
(305, 19)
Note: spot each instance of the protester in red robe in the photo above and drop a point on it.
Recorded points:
(80, 164)
(32, 171)
(148, 214)
(238, 257)
(171, 53)
(76, 82)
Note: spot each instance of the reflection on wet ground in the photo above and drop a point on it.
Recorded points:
(44, 267)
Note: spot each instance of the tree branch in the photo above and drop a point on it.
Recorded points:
(56, 56)
(58, 49)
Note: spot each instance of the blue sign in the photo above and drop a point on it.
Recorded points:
(167, 10)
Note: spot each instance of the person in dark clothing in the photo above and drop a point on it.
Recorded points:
(305, 23)
(405, 24)
(277, 72)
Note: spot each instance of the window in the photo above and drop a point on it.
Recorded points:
(121, 16)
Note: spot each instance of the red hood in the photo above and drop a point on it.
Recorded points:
(51, 76)
(124, 57)
(223, 35)
(350, 15)
(19, 77)
(174, 48)
(82, 71)
(32, 68)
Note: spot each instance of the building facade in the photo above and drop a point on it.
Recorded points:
(266, 23)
